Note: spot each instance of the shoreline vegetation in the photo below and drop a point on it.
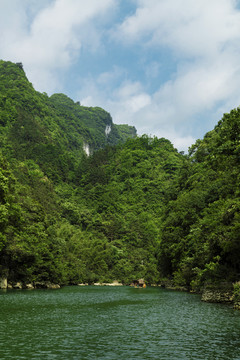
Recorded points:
(223, 293)
(85, 201)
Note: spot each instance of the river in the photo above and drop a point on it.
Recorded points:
(95, 322)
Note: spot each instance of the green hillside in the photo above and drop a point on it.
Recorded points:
(201, 224)
(135, 208)
(44, 141)
(52, 131)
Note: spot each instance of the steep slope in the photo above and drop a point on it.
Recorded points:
(201, 224)
(124, 188)
(131, 210)
(55, 132)
(43, 144)
(107, 227)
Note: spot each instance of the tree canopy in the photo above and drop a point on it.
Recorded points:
(135, 208)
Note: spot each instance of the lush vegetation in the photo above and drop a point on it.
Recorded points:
(201, 225)
(136, 208)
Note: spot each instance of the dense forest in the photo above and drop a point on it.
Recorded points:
(85, 200)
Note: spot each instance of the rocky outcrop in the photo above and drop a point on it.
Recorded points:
(218, 293)
(217, 296)
(46, 285)
(3, 283)
(236, 295)
(29, 286)
(114, 283)
(108, 130)
(237, 305)
(17, 285)
(86, 149)
(53, 286)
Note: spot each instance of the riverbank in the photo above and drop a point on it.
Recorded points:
(224, 293)
(104, 322)
(5, 284)
(114, 283)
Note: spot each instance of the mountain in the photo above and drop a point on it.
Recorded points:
(44, 141)
(67, 217)
(53, 131)
(85, 200)
(201, 223)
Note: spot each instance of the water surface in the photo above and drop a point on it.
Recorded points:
(115, 323)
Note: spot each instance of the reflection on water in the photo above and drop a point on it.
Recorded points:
(115, 323)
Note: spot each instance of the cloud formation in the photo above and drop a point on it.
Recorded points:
(170, 68)
(204, 38)
(198, 29)
(50, 40)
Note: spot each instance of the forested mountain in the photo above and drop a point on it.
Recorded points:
(134, 208)
(53, 131)
(201, 224)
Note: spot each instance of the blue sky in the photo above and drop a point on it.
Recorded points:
(171, 68)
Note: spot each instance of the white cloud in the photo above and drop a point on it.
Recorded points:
(205, 40)
(128, 98)
(51, 40)
(195, 29)
(131, 97)
(172, 110)
(201, 38)
(125, 102)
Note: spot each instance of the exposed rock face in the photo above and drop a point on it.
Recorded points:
(17, 285)
(217, 296)
(53, 286)
(40, 285)
(237, 305)
(108, 130)
(29, 286)
(3, 283)
(46, 285)
(86, 149)
(114, 283)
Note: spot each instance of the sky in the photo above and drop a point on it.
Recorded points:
(171, 68)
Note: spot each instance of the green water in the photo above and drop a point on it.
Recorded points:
(115, 323)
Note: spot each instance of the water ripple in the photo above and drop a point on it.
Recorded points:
(115, 323)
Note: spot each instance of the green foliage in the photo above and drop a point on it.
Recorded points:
(236, 291)
(43, 225)
(135, 208)
(126, 131)
(125, 186)
(201, 223)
